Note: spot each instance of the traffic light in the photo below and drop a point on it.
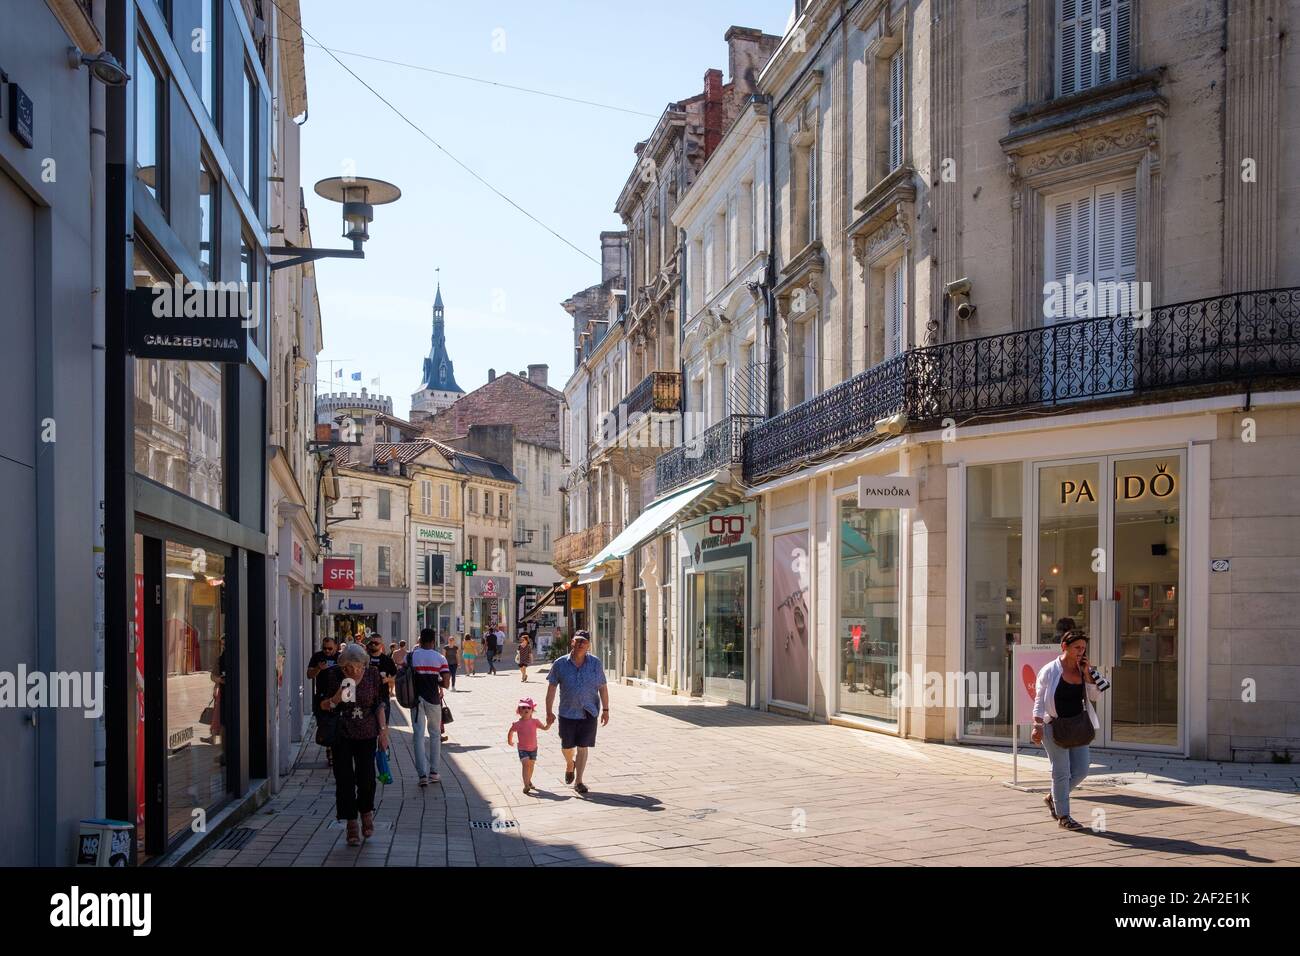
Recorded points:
(467, 568)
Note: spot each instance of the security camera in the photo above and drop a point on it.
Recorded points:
(893, 425)
(959, 292)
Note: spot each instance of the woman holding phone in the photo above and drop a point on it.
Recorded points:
(1065, 721)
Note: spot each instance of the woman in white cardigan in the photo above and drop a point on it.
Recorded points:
(1065, 689)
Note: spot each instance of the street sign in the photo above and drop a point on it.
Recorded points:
(340, 574)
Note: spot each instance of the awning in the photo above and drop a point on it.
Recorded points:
(543, 602)
(647, 524)
(591, 577)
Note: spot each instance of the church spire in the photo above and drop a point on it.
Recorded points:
(439, 374)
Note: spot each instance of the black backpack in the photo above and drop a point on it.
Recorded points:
(405, 683)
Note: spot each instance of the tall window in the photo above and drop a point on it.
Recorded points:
(502, 510)
(546, 480)
(355, 551)
(210, 63)
(207, 220)
(471, 549)
(546, 536)
(385, 571)
(896, 111)
(426, 497)
(473, 501)
(150, 147)
(895, 307)
(248, 169)
(385, 504)
(1091, 238)
(1093, 43)
(444, 500)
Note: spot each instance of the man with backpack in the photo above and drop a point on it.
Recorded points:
(425, 675)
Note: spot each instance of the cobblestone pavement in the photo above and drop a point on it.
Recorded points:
(682, 783)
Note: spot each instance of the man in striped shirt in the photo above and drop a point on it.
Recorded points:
(432, 674)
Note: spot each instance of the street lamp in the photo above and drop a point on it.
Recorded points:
(359, 197)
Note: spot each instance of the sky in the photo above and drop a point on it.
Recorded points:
(503, 275)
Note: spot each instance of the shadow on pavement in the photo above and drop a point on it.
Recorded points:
(1152, 844)
(638, 801)
(723, 715)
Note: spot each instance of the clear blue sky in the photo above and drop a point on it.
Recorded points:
(503, 276)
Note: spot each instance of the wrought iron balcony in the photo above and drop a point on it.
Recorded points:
(657, 392)
(720, 446)
(574, 550)
(1198, 347)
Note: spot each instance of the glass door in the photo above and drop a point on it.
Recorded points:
(724, 634)
(1107, 556)
(1146, 642)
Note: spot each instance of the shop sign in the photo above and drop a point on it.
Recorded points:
(488, 586)
(178, 737)
(340, 574)
(719, 530)
(888, 491)
(200, 324)
(577, 598)
(1127, 487)
(438, 535)
(347, 604)
(297, 554)
(22, 116)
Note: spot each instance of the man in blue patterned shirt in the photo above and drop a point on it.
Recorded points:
(584, 697)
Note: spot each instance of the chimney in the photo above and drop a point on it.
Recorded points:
(713, 110)
(537, 374)
(492, 375)
(611, 255)
(748, 51)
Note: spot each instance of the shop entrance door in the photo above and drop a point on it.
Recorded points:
(607, 643)
(1107, 554)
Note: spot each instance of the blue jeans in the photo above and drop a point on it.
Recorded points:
(426, 714)
(1069, 768)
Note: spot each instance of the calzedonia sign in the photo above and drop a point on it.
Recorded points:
(196, 325)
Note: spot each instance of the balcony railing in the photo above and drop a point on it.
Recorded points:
(574, 550)
(1201, 346)
(657, 392)
(720, 446)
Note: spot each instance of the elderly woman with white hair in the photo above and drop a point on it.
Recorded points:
(357, 707)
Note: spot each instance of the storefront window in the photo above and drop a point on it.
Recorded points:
(724, 634)
(197, 668)
(179, 440)
(994, 541)
(868, 613)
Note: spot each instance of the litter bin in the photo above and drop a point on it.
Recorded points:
(105, 843)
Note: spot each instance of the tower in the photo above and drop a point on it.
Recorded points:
(438, 387)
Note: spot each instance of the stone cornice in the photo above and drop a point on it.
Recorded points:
(800, 95)
(1039, 122)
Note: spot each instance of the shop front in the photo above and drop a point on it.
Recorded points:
(717, 564)
(489, 602)
(356, 613)
(1098, 539)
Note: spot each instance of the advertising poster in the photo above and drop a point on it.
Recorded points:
(790, 618)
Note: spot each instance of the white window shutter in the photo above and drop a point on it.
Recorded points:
(1107, 207)
(896, 111)
(1128, 233)
(895, 308)
(1122, 38)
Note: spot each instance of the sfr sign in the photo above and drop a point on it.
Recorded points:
(340, 574)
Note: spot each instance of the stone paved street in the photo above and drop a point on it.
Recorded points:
(695, 784)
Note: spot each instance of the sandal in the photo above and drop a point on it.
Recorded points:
(368, 824)
(568, 776)
(354, 834)
(1069, 823)
(1051, 806)
(580, 787)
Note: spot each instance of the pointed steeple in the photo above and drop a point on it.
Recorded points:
(439, 374)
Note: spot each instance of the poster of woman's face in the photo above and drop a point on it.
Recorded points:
(790, 588)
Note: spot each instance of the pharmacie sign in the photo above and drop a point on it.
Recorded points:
(1160, 484)
(437, 535)
(191, 323)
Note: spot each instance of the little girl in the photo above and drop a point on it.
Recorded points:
(526, 727)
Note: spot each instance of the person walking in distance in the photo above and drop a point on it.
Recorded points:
(493, 646)
(468, 653)
(361, 728)
(452, 653)
(431, 676)
(584, 697)
(524, 656)
(526, 727)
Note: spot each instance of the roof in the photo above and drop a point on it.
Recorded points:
(470, 464)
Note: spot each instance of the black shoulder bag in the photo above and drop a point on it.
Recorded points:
(1076, 731)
